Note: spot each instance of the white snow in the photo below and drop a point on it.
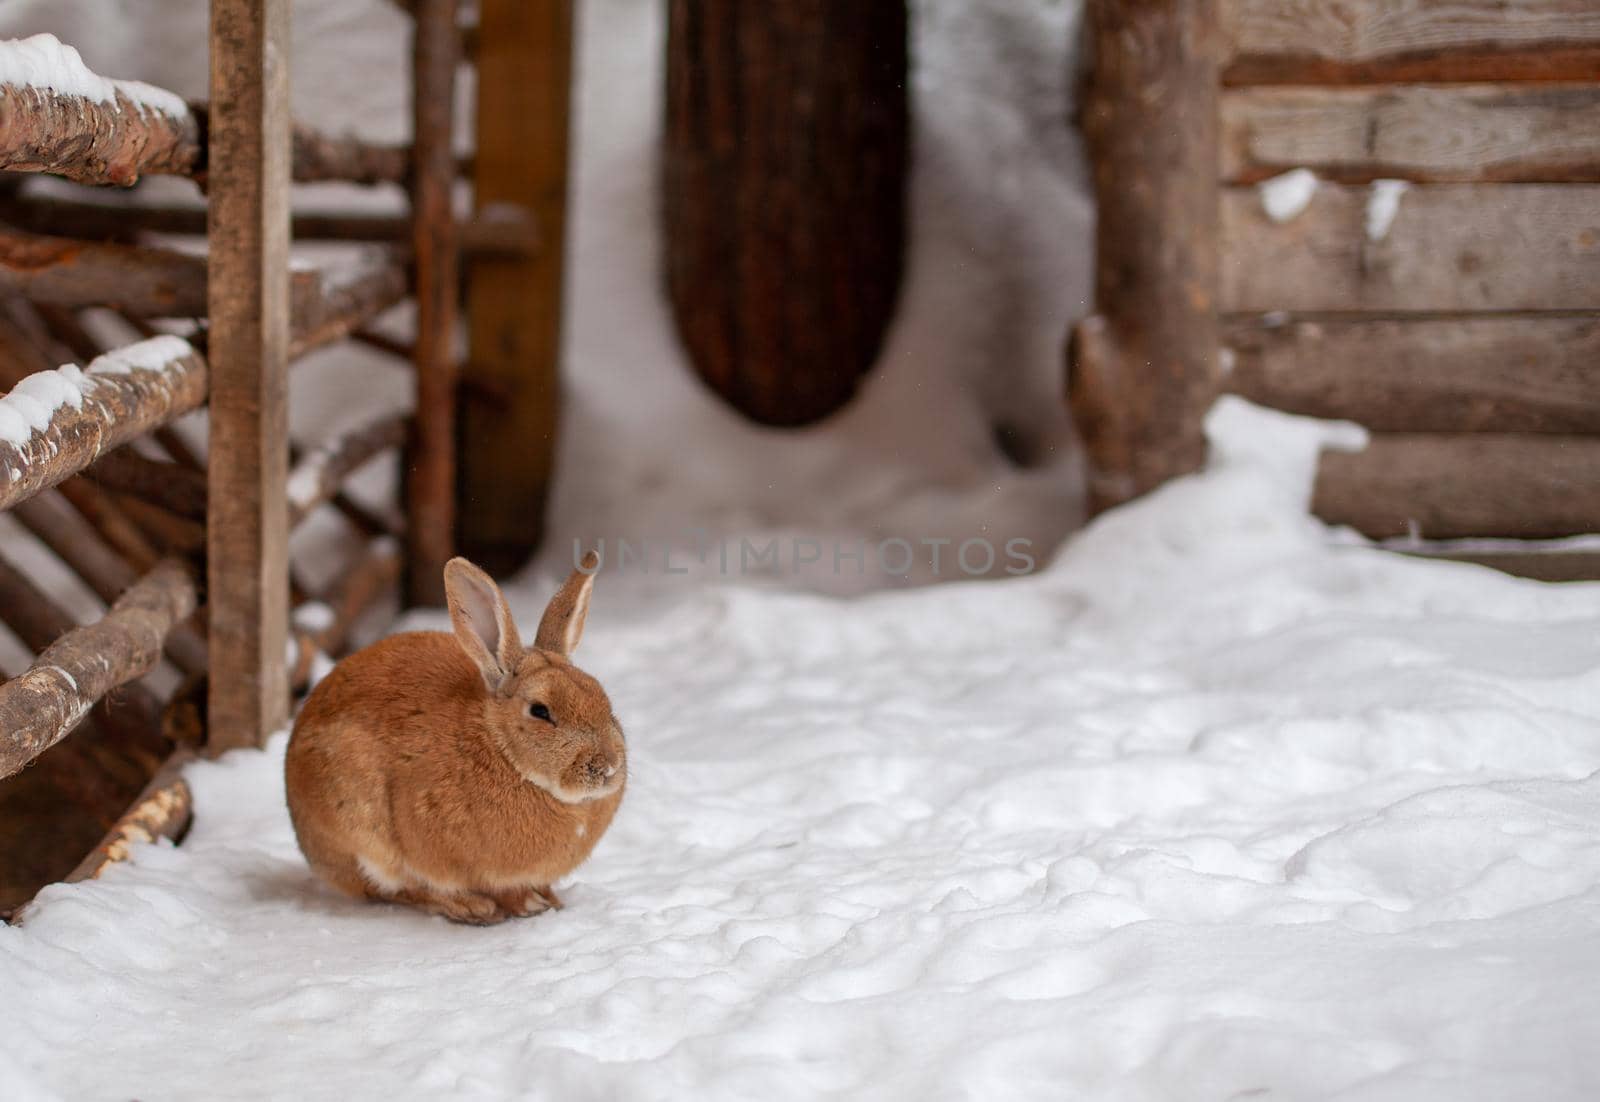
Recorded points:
(28, 407)
(1383, 203)
(1215, 806)
(1284, 197)
(43, 61)
(152, 354)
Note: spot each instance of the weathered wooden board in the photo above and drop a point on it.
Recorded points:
(509, 410)
(1143, 368)
(1335, 41)
(1466, 374)
(1450, 247)
(1543, 566)
(1453, 486)
(247, 557)
(1440, 133)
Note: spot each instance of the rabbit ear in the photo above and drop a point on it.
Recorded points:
(562, 624)
(482, 622)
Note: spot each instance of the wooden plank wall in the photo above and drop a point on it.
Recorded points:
(1465, 330)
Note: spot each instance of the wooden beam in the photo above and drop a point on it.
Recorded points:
(784, 171)
(431, 462)
(322, 473)
(139, 280)
(319, 157)
(1452, 133)
(1448, 248)
(1536, 562)
(1353, 41)
(1461, 374)
(121, 396)
(348, 298)
(1143, 370)
(122, 217)
(247, 554)
(514, 302)
(1439, 486)
(38, 708)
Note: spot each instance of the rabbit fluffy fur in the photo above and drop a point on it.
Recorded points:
(459, 773)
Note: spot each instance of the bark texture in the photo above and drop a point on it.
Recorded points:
(786, 159)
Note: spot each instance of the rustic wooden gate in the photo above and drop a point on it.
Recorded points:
(90, 463)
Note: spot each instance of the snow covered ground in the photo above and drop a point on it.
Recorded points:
(1219, 804)
(1216, 806)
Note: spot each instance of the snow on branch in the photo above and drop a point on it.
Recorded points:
(55, 423)
(58, 116)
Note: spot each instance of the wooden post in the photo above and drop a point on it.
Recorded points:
(247, 537)
(431, 466)
(514, 301)
(1143, 369)
(784, 207)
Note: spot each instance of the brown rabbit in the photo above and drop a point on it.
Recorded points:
(460, 774)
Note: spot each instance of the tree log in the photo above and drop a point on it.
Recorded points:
(1437, 486)
(92, 142)
(123, 217)
(321, 474)
(1547, 133)
(1353, 41)
(1448, 248)
(1466, 374)
(317, 157)
(139, 280)
(1143, 371)
(121, 396)
(785, 176)
(40, 707)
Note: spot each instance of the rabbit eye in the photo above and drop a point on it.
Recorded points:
(539, 711)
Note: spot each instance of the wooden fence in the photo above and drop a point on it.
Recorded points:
(190, 553)
(1441, 287)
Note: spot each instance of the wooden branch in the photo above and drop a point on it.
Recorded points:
(321, 474)
(120, 217)
(1448, 248)
(1351, 41)
(1143, 371)
(372, 577)
(320, 156)
(75, 542)
(135, 130)
(162, 810)
(131, 128)
(121, 396)
(1461, 133)
(38, 708)
(1438, 486)
(347, 298)
(247, 591)
(175, 535)
(430, 486)
(106, 517)
(178, 489)
(140, 280)
(1465, 374)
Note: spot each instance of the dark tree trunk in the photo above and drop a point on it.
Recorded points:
(786, 154)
